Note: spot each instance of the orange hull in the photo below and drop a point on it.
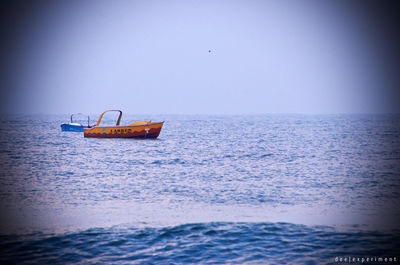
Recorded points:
(149, 130)
(140, 129)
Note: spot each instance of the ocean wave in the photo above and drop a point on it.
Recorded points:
(205, 243)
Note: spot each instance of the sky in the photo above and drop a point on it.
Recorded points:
(200, 57)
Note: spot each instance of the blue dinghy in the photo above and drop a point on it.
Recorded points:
(74, 126)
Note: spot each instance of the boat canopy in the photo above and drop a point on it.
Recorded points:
(119, 117)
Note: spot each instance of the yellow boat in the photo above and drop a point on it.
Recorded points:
(139, 129)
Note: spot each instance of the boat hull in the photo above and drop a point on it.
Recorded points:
(65, 127)
(145, 131)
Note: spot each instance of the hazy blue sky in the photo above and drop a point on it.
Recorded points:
(153, 57)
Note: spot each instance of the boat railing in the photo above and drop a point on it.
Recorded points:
(80, 114)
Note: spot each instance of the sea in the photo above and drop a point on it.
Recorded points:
(211, 189)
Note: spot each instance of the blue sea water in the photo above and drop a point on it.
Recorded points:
(247, 189)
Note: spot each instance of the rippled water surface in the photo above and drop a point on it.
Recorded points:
(210, 189)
